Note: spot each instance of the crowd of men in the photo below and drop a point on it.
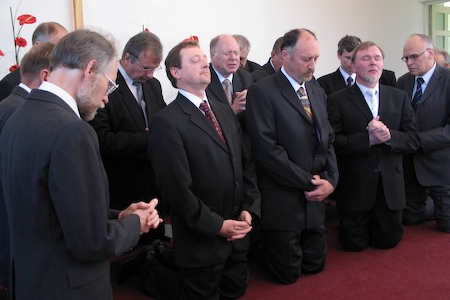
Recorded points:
(244, 158)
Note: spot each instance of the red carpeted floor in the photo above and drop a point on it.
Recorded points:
(418, 268)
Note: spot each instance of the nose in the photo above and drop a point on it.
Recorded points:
(105, 99)
(149, 74)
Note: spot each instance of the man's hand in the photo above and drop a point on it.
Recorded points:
(148, 215)
(239, 102)
(323, 189)
(378, 132)
(235, 230)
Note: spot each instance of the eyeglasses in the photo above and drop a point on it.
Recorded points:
(228, 53)
(112, 86)
(413, 56)
(146, 70)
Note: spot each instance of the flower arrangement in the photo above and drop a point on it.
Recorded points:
(19, 42)
(191, 38)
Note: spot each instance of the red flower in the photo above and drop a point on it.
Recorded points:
(13, 67)
(21, 42)
(1, 53)
(191, 38)
(26, 19)
(146, 29)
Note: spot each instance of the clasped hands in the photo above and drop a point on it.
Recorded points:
(239, 102)
(147, 213)
(323, 189)
(237, 229)
(378, 132)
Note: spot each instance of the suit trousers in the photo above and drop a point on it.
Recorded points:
(287, 254)
(418, 208)
(380, 227)
(227, 280)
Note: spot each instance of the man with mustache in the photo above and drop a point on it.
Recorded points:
(374, 125)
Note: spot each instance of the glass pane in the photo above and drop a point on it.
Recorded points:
(440, 18)
(440, 41)
(448, 43)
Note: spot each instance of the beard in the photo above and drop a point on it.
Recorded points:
(86, 102)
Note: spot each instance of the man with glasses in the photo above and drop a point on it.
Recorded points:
(229, 83)
(122, 126)
(427, 170)
(54, 185)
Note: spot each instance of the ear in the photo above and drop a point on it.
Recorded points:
(175, 72)
(353, 65)
(43, 75)
(338, 55)
(285, 55)
(88, 72)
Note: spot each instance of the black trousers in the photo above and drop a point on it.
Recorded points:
(380, 227)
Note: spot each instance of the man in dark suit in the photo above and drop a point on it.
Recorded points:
(35, 69)
(209, 182)
(58, 222)
(244, 47)
(344, 75)
(224, 51)
(427, 170)
(273, 64)
(122, 126)
(46, 32)
(374, 124)
(296, 164)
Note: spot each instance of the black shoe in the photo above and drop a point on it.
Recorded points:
(165, 255)
(132, 266)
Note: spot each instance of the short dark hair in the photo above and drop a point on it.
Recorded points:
(142, 41)
(348, 43)
(291, 37)
(277, 45)
(37, 59)
(79, 47)
(173, 59)
(364, 46)
(45, 31)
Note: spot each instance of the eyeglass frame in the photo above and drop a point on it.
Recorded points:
(146, 70)
(228, 53)
(413, 56)
(112, 86)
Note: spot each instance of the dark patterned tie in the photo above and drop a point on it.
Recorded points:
(140, 100)
(305, 102)
(418, 93)
(212, 119)
(226, 84)
(349, 81)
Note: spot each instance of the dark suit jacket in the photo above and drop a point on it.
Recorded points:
(263, 72)
(359, 164)
(123, 140)
(7, 107)
(65, 204)
(8, 83)
(288, 152)
(204, 179)
(432, 161)
(334, 82)
(251, 66)
(241, 81)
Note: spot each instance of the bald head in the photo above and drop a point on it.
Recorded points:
(225, 54)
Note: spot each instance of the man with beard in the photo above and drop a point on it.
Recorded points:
(292, 141)
(54, 185)
(374, 125)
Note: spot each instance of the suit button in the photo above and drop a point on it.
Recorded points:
(235, 208)
(237, 183)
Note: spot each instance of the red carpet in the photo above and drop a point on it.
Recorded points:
(418, 268)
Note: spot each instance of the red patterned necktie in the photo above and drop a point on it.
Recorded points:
(210, 116)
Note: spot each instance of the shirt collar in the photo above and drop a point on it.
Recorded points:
(295, 84)
(65, 96)
(194, 99)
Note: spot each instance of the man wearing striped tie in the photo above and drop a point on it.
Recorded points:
(426, 171)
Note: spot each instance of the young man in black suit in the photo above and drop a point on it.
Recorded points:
(374, 125)
(297, 170)
(209, 182)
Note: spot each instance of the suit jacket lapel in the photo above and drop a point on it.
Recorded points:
(215, 88)
(338, 81)
(358, 99)
(432, 84)
(199, 120)
(130, 101)
(384, 101)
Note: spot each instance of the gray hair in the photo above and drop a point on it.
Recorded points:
(242, 42)
(141, 42)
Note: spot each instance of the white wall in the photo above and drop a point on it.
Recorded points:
(388, 23)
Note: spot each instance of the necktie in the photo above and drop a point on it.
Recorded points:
(418, 93)
(305, 102)
(372, 101)
(211, 118)
(226, 84)
(140, 100)
(349, 81)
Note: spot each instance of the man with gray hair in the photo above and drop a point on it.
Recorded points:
(426, 170)
(122, 126)
(54, 185)
(244, 46)
(441, 57)
(46, 32)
